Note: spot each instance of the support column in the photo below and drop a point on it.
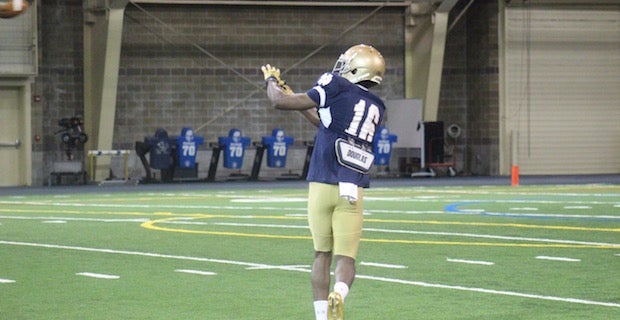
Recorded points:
(425, 41)
(103, 29)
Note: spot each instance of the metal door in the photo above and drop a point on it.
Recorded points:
(10, 163)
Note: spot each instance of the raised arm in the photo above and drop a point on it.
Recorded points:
(288, 100)
(283, 98)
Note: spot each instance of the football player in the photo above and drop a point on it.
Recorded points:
(347, 116)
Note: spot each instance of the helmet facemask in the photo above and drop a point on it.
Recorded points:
(342, 65)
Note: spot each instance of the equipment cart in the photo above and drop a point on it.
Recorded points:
(435, 152)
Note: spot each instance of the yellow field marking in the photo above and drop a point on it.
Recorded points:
(152, 226)
(178, 216)
(433, 222)
(492, 224)
(495, 244)
(367, 220)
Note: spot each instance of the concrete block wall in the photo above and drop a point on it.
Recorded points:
(171, 78)
(453, 95)
(59, 84)
(198, 66)
(483, 88)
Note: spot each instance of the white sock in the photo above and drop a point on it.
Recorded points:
(320, 309)
(18, 5)
(341, 288)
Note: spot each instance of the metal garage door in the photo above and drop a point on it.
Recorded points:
(562, 88)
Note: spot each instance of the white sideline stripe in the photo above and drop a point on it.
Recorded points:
(238, 208)
(558, 259)
(383, 265)
(487, 236)
(490, 291)
(577, 207)
(486, 263)
(98, 275)
(390, 280)
(300, 266)
(55, 221)
(550, 215)
(198, 272)
(524, 209)
(7, 281)
(145, 206)
(403, 211)
(268, 200)
(237, 198)
(467, 235)
(145, 254)
(233, 224)
(140, 220)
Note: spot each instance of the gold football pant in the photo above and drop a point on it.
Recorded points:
(335, 223)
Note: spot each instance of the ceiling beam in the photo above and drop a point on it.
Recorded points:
(560, 2)
(282, 3)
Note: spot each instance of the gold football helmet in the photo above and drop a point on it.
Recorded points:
(361, 63)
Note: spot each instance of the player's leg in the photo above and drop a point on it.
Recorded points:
(347, 224)
(320, 209)
(320, 275)
(344, 274)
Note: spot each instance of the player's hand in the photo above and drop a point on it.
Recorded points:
(271, 73)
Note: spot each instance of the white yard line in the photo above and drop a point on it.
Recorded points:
(491, 291)
(285, 267)
(360, 276)
(488, 236)
(367, 211)
(54, 218)
(142, 254)
(98, 275)
(6, 281)
(144, 206)
(485, 263)
(523, 209)
(383, 265)
(564, 259)
(198, 272)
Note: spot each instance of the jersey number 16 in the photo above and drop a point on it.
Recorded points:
(368, 124)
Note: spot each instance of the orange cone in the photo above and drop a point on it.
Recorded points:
(515, 176)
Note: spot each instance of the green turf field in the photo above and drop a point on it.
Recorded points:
(475, 252)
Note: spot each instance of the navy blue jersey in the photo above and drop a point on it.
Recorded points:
(347, 111)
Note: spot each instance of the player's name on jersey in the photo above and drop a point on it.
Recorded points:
(353, 157)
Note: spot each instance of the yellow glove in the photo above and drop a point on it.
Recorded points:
(273, 73)
(285, 87)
